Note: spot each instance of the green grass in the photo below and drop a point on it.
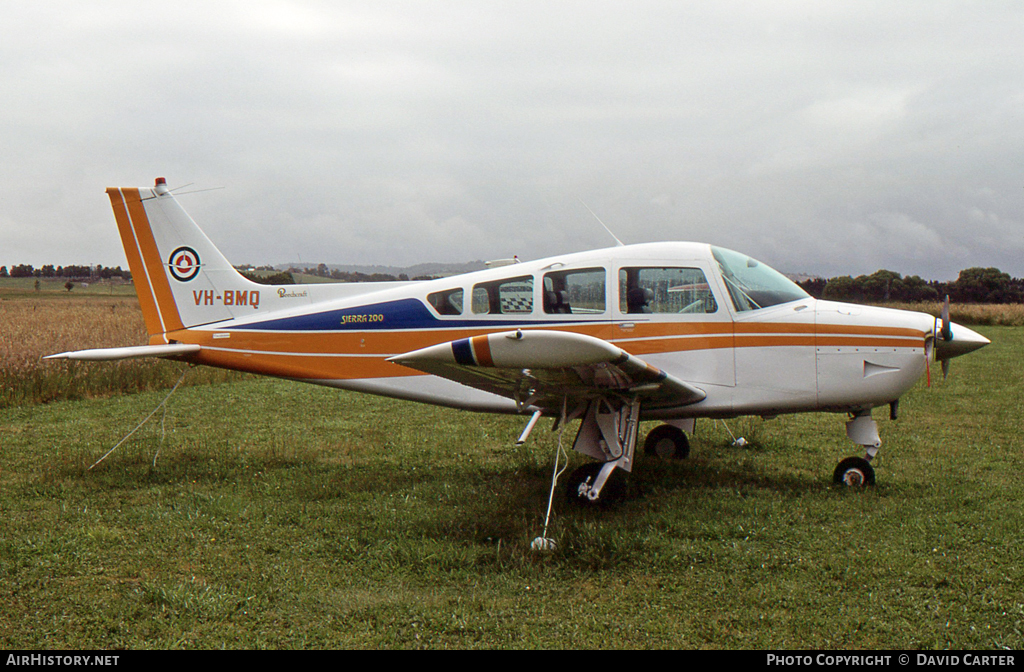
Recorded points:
(283, 515)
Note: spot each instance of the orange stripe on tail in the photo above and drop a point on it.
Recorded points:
(148, 274)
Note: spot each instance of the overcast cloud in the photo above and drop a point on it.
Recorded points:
(821, 137)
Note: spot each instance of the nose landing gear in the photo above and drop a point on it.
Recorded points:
(857, 472)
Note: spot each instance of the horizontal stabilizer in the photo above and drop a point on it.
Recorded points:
(111, 354)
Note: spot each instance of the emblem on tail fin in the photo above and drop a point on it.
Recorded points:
(184, 264)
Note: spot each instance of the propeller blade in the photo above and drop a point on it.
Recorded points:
(946, 335)
(947, 332)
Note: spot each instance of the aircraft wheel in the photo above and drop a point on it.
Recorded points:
(667, 442)
(854, 472)
(581, 479)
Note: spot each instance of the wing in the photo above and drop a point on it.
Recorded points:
(539, 368)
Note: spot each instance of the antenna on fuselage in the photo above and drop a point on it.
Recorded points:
(619, 242)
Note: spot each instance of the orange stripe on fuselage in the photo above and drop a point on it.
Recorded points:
(362, 354)
(869, 331)
(685, 344)
(769, 335)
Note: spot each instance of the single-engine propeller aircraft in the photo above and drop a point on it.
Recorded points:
(658, 331)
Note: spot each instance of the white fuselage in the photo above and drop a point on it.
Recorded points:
(800, 355)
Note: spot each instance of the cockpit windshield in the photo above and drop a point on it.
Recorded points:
(751, 284)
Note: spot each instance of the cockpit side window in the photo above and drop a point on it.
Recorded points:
(665, 290)
(575, 292)
(448, 302)
(511, 296)
(753, 285)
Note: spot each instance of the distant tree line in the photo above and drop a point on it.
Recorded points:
(86, 273)
(974, 285)
(66, 272)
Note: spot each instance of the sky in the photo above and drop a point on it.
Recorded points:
(827, 138)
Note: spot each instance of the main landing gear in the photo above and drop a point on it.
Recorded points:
(596, 484)
(667, 442)
(609, 433)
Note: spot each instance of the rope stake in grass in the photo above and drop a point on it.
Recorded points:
(740, 442)
(139, 426)
(542, 543)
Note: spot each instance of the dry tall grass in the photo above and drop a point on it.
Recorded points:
(997, 315)
(31, 328)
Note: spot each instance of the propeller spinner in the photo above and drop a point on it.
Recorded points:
(948, 345)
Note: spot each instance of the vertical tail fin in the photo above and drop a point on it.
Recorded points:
(181, 278)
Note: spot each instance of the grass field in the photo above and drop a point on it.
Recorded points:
(273, 514)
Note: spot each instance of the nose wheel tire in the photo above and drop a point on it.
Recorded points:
(854, 472)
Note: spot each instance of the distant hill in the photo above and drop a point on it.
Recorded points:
(410, 271)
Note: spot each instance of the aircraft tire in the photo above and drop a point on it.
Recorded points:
(667, 442)
(614, 489)
(854, 472)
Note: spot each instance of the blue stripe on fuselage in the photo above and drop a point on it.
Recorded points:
(400, 314)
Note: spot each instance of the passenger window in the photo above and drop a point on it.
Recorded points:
(513, 296)
(575, 292)
(448, 302)
(665, 290)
